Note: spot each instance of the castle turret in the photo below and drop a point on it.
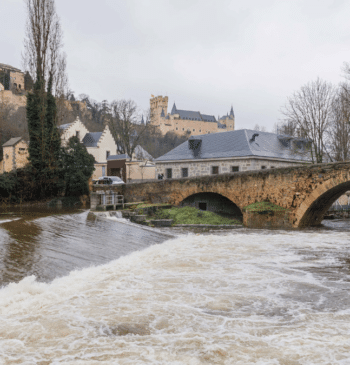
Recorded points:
(232, 114)
(173, 110)
(158, 105)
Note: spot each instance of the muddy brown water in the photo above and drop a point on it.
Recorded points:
(77, 290)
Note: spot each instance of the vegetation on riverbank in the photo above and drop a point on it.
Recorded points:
(191, 215)
(263, 206)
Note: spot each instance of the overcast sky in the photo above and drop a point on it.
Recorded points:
(204, 55)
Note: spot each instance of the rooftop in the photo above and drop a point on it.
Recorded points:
(239, 143)
(12, 142)
(91, 139)
(8, 67)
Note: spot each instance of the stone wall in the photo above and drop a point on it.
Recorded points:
(15, 100)
(204, 167)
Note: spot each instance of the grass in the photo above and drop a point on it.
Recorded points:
(191, 215)
(263, 206)
(148, 205)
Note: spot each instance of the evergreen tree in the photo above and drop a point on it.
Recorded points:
(78, 167)
(36, 116)
(45, 143)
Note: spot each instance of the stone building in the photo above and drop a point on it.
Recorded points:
(11, 78)
(13, 86)
(186, 121)
(234, 151)
(15, 154)
(99, 144)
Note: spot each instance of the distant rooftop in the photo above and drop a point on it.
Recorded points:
(8, 67)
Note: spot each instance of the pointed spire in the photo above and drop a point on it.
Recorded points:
(162, 113)
(173, 110)
(231, 112)
(142, 120)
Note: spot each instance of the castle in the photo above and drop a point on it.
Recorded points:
(13, 85)
(185, 121)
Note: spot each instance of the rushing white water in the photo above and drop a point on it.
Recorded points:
(238, 298)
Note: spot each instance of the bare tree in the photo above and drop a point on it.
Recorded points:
(259, 128)
(42, 55)
(126, 126)
(339, 131)
(309, 112)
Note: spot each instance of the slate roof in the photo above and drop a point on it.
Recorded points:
(91, 139)
(221, 126)
(12, 142)
(190, 115)
(235, 144)
(63, 127)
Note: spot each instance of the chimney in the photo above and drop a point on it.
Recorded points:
(195, 145)
(254, 136)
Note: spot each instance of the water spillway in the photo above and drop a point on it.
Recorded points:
(239, 297)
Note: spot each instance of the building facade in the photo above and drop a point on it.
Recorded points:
(99, 144)
(15, 155)
(230, 152)
(186, 121)
(11, 78)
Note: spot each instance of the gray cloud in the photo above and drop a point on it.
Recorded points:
(204, 55)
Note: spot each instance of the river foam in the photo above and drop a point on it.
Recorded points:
(240, 298)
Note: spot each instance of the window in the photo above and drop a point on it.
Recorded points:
(200, 130)
(169, 173)
(263, 167)
(177, 128)
(215, 170)
(234, 168)
(103, 170)
(77, 134)
(107, 154)
(184, 172)
(194, 130)
(183, 129)
(272, 167)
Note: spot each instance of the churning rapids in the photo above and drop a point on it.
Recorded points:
(80, 291)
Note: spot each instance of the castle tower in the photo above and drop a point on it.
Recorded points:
(159, 107)
(229, 120)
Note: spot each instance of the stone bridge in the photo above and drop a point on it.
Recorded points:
(306, 192)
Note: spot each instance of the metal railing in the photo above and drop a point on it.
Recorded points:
(111, 199)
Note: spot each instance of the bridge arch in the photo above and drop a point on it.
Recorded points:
(213, 202)
(313, 209)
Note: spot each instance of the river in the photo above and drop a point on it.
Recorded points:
(76, 290)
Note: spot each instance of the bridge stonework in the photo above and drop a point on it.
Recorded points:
(306, 191)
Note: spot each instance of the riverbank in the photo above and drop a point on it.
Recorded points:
(162, 215)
